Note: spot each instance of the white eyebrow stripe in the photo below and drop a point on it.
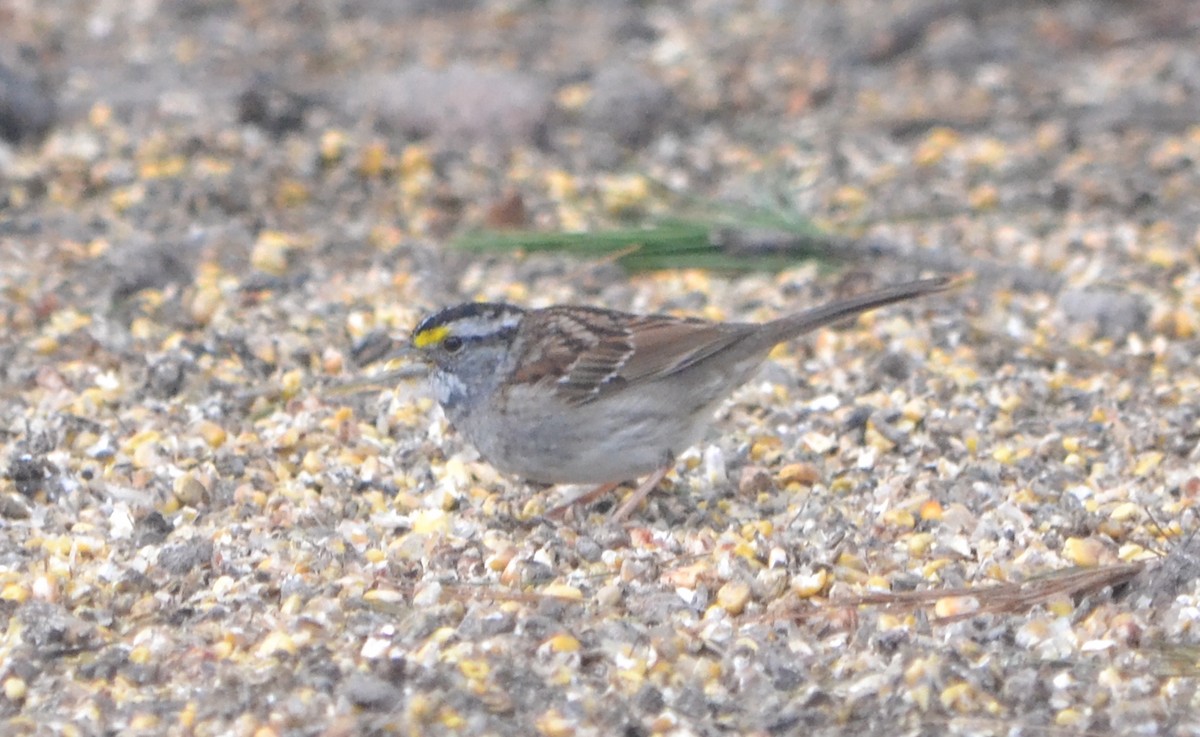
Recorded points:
(474, 327)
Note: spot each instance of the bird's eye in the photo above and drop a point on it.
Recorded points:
(452, 344)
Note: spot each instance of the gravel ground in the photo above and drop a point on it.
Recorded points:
(974, 514)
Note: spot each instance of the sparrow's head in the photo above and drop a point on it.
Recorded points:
(467, 345)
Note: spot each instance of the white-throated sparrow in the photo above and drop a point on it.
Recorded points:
(581, 395)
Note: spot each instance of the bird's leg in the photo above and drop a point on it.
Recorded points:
(634, 499)
(642, 491)
(586, 497)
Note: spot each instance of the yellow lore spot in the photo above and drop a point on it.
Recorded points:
(432, 336)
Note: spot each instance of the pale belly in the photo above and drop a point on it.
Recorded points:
(617, 438)
(590, 448)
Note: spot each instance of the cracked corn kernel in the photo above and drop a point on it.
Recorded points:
(1060, 607)
(333, 143)
(429, 521)
(1025, 495)
(921, 669)
(1125, 512)
(45, 345)
(554, 724)
(563, 643)
(889, 621)
(224, 648)
(187, 715)
(765, 447)
(745, 550)
(1083, 551)
(983, 197)
(15, 688)
(953, 606)
(420, 707)
(384, 596)
(414, 161)
(1131, 552)
(516, 292)
(1068, 717)
(140, 655)
(816, 442)
(850, 197)
(373, 159)
(849, 560)
(146, 456)
(211, 433)
(960, 697)
(560, 185)
(878, 440)
(291, 383)
(450, 718)
(933, 567)
(750, 530)
(291, 606)
(900, 518)
(475, 670)
(808, 585)
(914, 410)
(533, 507)
(126, 197)
(803, 474)
(562, 591)
(919, 544)
(143, 722)
(920, 695)
(15, 592)
(270, 252)
(878, 583)
(687, 576)
(733, 597)
(624, 194)
(1184, 324)
(666, 722)
(500, 559)
(1147, 462)
(841, 485)
(972, 444)
(203, 305)
(312, 462)
(276, 642)
(989, 153)
(290, 193)
(931, 510)
(573, 97)
(934, 148)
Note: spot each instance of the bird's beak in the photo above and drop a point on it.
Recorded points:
(410, 360)
(413, 361)
(379, 346)
(404, 351)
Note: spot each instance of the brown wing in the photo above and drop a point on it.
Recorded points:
(598, 351)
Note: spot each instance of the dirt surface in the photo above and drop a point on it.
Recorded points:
(974, 514)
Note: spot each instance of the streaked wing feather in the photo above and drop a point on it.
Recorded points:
(596, 352)
(667, 345)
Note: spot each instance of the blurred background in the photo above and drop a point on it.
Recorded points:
(213, 212)
(1011, 139)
